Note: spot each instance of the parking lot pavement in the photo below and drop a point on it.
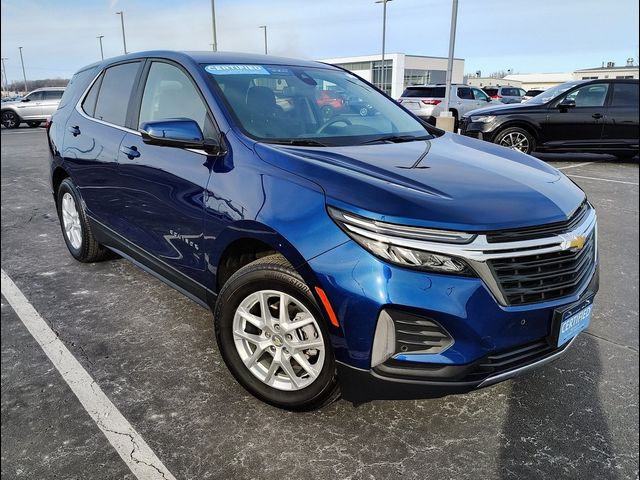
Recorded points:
(153, 353)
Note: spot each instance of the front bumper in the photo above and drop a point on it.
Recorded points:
(481, 131)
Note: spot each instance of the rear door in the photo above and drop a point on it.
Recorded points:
(161, 202)
(621, 120)
(95, 130)
(579, 125)
(463, 101)
(50, 101)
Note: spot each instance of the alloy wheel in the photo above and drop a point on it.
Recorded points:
(278, 340)
(71, 221)
(515, 141)
(9, 119)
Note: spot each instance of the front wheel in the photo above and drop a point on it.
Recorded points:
(272, 336)
(516, 138)
(10, 119)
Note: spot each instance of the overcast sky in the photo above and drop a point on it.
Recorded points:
(526, 36)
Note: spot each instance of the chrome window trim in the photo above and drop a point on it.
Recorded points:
(97, 120)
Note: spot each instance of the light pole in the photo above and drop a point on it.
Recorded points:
(452, 43)
(24, 75)
(265, 38)
(384, 33)
(100, 37)
(5, 82)
(124, 39)
(214, 45)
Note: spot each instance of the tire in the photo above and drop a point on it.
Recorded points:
(34, 124)
(456, 123)
(265, 281)
(10, 119)
(516, 138)
(76, 230)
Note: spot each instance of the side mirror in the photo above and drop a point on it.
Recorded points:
(488, 99)
(567, 103)
(26, 99)
(178, 132)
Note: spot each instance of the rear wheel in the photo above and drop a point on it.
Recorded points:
(10, 119)
(75, 227)
(34, 124)
(516, 138)
(272, 336)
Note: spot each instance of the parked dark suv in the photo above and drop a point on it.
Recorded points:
(599, 116)
(367, 254)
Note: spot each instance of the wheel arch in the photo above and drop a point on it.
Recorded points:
(57, 176)
(520, 123)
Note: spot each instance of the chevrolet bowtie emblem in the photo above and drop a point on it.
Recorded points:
(575, 242)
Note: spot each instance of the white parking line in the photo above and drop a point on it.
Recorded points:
(604, 180)
(128, 443)
(578, 165)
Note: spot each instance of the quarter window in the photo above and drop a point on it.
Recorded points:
(170, 93)
(115, 91)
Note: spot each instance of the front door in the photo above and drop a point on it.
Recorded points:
(50, 101)
(162, 188)
(31, 106)
(579, 124)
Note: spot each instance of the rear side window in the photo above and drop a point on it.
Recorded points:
(491, 91)
(465, 93)
(170, 93)
(53, 94)
(625, 95)
(78, 82)
(510, 92)
(89, 103)
(429, 92)
(115, 91)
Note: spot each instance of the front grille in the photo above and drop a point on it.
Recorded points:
(543, 277)
(541, 231)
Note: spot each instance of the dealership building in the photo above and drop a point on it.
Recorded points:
(400, 70)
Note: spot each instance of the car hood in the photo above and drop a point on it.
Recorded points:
(451, 182)
(503, 108)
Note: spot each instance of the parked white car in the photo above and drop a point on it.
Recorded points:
(426, 101)
(32, 109)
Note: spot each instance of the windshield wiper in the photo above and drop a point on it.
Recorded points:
(398, 139)
(302, 142)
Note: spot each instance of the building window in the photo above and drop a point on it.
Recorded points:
(414, 76)
(377, 79)
(589, 78)
(625, 76)
(355, 66)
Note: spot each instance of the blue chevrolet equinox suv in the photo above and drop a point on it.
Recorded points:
(372, 256)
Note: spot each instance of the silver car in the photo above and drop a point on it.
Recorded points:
(505, 94)
(426, 101)
(32, 109)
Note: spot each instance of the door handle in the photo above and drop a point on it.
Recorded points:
(75, 131)
(597, 115)
(130, 152)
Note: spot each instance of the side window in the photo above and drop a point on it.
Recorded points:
(35, 96)
(89, 103)
(625, 95)
(479, 94)
(114, 94)
(465, 93)
(522, 92)
(590, 95)
(53, 94)
(170, 93)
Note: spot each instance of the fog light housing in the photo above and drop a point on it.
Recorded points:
(384, 340)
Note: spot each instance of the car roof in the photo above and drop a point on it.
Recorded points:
(47, 88)
(217, 57)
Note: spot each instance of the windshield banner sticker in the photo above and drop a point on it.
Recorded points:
(236, 69)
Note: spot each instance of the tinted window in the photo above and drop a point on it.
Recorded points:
(77, 82)
(115, 90)
(429, 92)
(89, 103)
(53, 94)
(491, 91)
(590, 95)
(625, 95)
(35, 96)
(465, 93)
(510, 92)
(170, 93)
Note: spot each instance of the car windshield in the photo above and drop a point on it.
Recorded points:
(552, 93)
(311, 106)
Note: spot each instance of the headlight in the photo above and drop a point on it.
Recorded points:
(483, 118)
(396, 243)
